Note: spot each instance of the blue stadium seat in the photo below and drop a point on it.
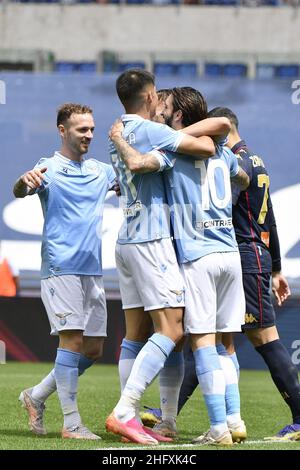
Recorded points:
(109, 67)
(165, 68)
(188, 69)
(272, 3)
(221, 2)
(81, 67)
(137, 2)
(122, 66)
(65, 67)
(87, 67)
(287, 71)
(213, 70)
(265, 71)
(235, 70)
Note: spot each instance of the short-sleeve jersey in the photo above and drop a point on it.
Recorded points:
(253, 213)
(72, 197)
(143, 196)
(199, 194)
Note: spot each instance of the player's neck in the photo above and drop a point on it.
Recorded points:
(233, 138)
(65, 152)
(143, 112)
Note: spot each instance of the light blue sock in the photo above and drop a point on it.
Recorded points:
(212, 383)
(47, 386)
(66, 376)
(147, 365)
(170, 380)
(222, 351)
(232, 394)
(129, 352)
(235, 361)
(84, 363)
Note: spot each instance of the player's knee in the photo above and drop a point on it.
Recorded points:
(71, 340)
(94, 352)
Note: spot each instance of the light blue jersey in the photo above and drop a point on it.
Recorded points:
(143, 195)
(199, 195)
(72, 197)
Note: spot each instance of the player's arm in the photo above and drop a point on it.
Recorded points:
(218, 127)
(241, 179)
(134, 160)
(29, 182)
(201, 147)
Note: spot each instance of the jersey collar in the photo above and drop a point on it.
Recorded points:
(131, 117)
(238, 146)
(68, 160)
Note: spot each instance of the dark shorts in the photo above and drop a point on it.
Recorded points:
(259, 308)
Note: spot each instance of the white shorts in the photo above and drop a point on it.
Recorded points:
(149, 275)
(215, 300)
(75, 303)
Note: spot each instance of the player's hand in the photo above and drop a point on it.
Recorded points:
(116, 129)
(117, 189)
(280, 288)
(34, 178)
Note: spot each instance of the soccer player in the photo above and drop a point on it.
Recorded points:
(149, 276)
(206, 247)
(72, 191)
(257, 237)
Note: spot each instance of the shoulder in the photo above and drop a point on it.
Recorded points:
(93, 164)
(160, 128)
(45, 161)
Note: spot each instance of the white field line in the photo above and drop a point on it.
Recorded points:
(191, 446)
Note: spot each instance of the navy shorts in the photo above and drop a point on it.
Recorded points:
(259, 308)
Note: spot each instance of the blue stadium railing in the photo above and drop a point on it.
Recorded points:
(247, 3)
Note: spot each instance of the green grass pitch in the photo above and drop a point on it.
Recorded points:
(262, 409)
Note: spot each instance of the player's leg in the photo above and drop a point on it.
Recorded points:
(62, 298)
(228, 341)
(151, 359)
(212, 383)
(138, 329)
(150, 260)
(138, 324)
(261, 331)
(66, 314)
(190, 380)
(168, 324)
(95, 322)
(200, 322)
(230, 316)
(283, 372)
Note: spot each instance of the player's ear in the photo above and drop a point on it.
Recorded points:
(62, 130)
(178, 115)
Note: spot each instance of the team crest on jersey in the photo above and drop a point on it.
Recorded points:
(92, 167)
(179, 295)
(62, 317)
(65, 169)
